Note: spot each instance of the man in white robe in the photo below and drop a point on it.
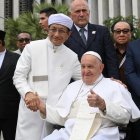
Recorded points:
(91, 108)
(45, 68)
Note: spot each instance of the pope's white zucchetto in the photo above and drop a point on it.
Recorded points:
(60, 19)
(94, 54)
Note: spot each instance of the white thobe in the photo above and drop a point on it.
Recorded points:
(120, 108)
(39, 59)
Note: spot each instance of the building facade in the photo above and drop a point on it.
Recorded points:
(13, 8)
(100, 10)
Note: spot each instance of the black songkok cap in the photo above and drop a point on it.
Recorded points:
(2, 35)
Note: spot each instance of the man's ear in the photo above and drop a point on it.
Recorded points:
(69, 33)
(102, 67)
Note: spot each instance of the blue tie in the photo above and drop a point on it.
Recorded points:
(83, 35)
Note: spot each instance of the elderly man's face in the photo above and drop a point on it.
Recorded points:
(91, 68)
(122, 33)
(58, 34)
(80, 13)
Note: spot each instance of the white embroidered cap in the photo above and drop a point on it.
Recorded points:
(60, 19)
(94, 54)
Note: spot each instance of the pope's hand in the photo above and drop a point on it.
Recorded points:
(119, 82)
(32, 101)
(95, 100)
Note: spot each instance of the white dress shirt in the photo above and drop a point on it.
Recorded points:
(2, 54)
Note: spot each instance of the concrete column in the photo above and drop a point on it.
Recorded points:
(38, 1)
(58, 1)
(136, 8)
(93, 6)
(48, 1)
(2, 15)
(125, 8)
(15, 9)
(67, 2)
(114, 8)
(103, 10)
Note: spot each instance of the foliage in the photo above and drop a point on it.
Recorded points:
(61, 8)
(11, 31)
(130, 19)
(28, 22)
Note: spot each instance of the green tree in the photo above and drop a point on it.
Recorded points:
(25, 22)
(61, 8)
(28, 22)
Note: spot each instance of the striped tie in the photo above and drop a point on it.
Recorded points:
(81, 31)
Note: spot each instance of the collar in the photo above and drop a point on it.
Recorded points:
(97, 80)
(54, 48)
(3, 52)
(119, 53)
(78, 28)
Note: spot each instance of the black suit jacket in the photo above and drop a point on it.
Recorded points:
(99, 40)
(132, 70)
(9, 97)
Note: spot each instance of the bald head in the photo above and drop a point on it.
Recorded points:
(79, 12)
(74, 3)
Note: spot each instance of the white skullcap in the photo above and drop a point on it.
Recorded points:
(60, 19)
(94, 54)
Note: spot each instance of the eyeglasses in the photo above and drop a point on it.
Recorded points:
(61, 31)
(124, 31)
(21, 40)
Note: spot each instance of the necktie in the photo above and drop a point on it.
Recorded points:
(83, 35)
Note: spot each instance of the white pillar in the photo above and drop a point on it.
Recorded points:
(68, 2)
(48, 1)
(93, 6)
(103, 10)
(114, 8)
(15, 9)
(136, 8)
(2, 15)
(58, 1)
(126, 8)
(37, 1)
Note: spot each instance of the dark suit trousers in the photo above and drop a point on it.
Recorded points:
(8, 128)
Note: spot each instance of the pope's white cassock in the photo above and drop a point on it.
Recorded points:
(47, 70)
(120, 108)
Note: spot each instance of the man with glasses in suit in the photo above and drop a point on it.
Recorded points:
(23, 38)
(9, 96)
(122, 34)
